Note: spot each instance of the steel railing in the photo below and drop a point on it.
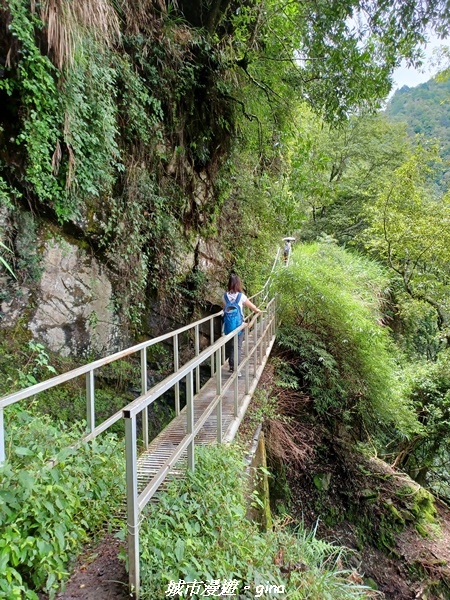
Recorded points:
(88, 371)
(259, 338)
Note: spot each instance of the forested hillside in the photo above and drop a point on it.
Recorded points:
(149, 149)
(426, 111)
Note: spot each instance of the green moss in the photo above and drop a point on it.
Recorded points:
(333, 516)
(396, 514)
(322, 481)
(424, 505)
(419, 506)
(371, 583)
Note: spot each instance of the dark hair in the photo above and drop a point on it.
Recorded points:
(234, 284)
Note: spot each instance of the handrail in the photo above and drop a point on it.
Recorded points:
(143, 401)
(266, 285)
(89, 369)
(263, 327)
(101, 362)
(74, 373)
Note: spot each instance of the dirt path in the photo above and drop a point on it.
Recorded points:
(99, 574)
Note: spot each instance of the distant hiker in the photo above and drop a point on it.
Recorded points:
(287, 250)
(233, 316)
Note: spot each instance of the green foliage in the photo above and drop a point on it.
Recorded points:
(330, 307)
(249, 225)
(408, 229)
(48, 512)
(416, 329)
(426, 455)
(6, 191)
(140, 109)
(334, 172)
(35, 82)
(198, 531)
(38, 363)
(88, 99)
(142, 239)
(344, 52)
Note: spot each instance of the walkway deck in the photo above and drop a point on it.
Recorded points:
(164, 445)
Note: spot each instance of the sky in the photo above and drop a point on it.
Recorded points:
(412, 77)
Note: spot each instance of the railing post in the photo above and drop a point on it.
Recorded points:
(197, 352)
(90, 401)
(219, 393)
(236, 373)
(143, 391)
(222, 354)
(2, 439)
(255, 342)
(175, 369)
(211, 342)
(260, 339)
(266, 334)
(259, 324)
(272, 317)
(190, 418)
(132, 504)
(247, 364)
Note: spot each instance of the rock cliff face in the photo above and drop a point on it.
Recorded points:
(75, 310)
(70, 304)
(68, 299)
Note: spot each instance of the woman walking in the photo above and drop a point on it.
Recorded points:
(234, 299)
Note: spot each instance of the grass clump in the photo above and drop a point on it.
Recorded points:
(333, 337)
(197, 535)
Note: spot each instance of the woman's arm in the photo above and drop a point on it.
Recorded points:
(252, 307)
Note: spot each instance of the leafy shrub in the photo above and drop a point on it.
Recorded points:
(40, 114)
(425, 457)
(330, 308)
(198, 531)
(48, 512)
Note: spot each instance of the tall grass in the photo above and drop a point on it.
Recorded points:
(331, 304)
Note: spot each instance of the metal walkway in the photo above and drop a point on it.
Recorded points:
(212, 412)
(160, 450)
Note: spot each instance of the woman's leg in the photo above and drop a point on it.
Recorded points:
(229, 353)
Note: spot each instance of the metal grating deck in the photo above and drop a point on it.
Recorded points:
(163, 446)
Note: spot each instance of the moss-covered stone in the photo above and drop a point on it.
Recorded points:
(419, 508)
(396, 514)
